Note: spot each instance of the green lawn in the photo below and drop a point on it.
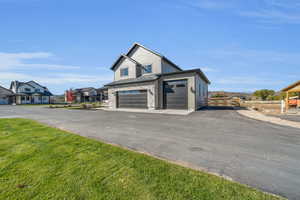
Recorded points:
(39, 162)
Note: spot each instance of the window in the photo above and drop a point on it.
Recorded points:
(37, 90)
(124, 72)
(27, 98)
(147, 69)
(22, 98)
(27, 90)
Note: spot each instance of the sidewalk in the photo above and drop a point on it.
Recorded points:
(168, 111)
(275, 120)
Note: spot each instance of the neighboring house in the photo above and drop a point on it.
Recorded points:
(6, 96)
(30, 93)
(146, 79)
(102, 94)
(292, 100)
(85, 95)
(89, 94)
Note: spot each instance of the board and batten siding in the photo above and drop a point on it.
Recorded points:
(125, 63)
(146, 57)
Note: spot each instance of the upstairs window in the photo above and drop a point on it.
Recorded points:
(124, 72)
(27, 90)
(147, 69)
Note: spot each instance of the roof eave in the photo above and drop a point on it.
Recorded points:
(198, 71)
(291, 86)
(126, 57)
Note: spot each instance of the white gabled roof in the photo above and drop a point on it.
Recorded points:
(139, 45)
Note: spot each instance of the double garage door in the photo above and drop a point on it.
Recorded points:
(132, 99)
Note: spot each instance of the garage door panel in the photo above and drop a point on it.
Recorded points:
(132, 99)
(132, 105)
(128, 98)
(175, 106)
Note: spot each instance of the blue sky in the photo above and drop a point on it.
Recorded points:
(241, 45)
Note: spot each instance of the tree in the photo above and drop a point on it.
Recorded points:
(264, 94)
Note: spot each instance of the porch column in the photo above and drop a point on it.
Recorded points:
(298, 102)
(287, 102)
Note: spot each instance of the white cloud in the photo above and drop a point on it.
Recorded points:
(273, 16)
(241, 56)
(18, 61)
(247, 80)
(16, 66)
(55, 78)
(263, 11)
(209, 4)
(208, 69)
(9, 76)
(75, 78)
(290, 4)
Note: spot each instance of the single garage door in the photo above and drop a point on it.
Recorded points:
(132, 99)
(176, 94)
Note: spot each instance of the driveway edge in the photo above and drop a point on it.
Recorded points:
(261, 117)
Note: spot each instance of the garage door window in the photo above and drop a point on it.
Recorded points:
(131, 92)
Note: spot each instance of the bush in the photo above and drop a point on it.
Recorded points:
(83, 106)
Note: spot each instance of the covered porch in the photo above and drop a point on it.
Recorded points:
(292, 99)
(35, 98)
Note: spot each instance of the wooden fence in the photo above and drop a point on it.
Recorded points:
(224, 102)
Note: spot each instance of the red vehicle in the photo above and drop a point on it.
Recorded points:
(294, 102)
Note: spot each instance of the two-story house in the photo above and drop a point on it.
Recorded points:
(30, 93)
(146, 79)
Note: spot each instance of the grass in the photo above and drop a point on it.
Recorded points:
(39, 162)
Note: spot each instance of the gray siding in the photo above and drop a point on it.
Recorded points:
(168, 68)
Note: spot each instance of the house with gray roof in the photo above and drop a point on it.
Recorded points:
(84, 95)
(6, 96)
(146, 79)
(30, 92)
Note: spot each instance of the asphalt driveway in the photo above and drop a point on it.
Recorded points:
(259, 154)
